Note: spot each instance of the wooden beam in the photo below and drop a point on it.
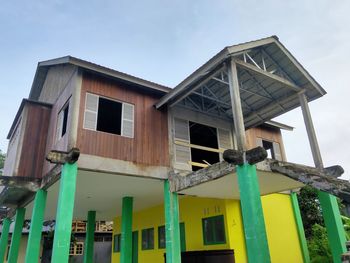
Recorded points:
(322, 179)
(267, 74)
(180, 182)
(27, 183)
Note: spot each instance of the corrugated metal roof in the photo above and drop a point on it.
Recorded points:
(270, 79)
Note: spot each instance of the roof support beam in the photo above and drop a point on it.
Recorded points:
(266, 74)
(191, 90)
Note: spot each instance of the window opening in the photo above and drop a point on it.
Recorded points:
(65, 120)
(268, 146)
(116, 247)
(147, 239)
(213, 230)
(109, 116)
(206, 136)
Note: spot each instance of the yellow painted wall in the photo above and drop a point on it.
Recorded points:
(279, 218)
(281, 229)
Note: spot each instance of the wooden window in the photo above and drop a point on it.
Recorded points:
(62, 122)
(116, 243)
(273, 148)
(111, 116)
(213, 230)
(147, 239)
(76, 248)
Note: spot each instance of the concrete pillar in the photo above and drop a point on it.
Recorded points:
(36, 225)
(16, 235)
(126, 231)
(90, 238)
(64, 214)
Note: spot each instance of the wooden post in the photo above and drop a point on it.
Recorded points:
(16, 235)
(329, 204)
(251, 207)
(126, 231)
(36, 225)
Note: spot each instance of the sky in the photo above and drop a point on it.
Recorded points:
(164, 41)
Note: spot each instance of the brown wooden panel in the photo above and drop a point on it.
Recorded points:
(150, 143)
(266, 133)
(34, 141)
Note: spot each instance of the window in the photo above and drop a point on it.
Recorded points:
(161, 237)
(62, 120)
(162, 240)
(148, 239)
(214, 230)
(197, 145)
(111, 116)
(116, 247)
(272, 148)
(76, 248)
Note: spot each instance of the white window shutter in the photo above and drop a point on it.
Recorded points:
(224, 140)
(259, 142)
(277, 151)
(182, 152)
(59, 125)
(128, 120)
(181, 130)
(91, 109)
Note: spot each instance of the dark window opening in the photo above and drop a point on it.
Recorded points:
(109, 116)
(203, 135)
(116, 247)
(147, 239)
(214, 230)
(161, 237)
(268, 146)
(65, 120)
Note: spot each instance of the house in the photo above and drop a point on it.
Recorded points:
(125, 149)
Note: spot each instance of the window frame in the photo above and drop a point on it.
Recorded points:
(116, 249)
(123, 103)
(159, 236)
(215, 241)
(75, 245)
(60, 121)
(148, 246)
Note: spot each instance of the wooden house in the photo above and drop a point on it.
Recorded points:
(134, 136)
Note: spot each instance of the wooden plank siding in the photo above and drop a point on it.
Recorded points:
(265, 133)
(34, 141)
(150, 143)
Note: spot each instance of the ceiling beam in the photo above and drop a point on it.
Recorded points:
(266, 74)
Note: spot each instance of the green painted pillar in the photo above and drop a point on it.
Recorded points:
(334, 225)
(90, 238)
(126, 231)
(16, 235)
(252, 215)
(64, 214)
(172, 226)
(4, 238)
(300, 228)
(36, 225)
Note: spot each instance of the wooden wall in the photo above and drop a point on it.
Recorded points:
(34, 140)
(150, 143)
(265, 133)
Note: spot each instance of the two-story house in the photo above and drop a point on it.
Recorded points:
(134, 136)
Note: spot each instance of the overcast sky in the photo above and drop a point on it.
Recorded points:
(164, 41)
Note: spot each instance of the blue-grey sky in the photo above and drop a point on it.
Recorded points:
(164, 41)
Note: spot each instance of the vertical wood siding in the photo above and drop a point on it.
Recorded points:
(34, 141)
(150, 143)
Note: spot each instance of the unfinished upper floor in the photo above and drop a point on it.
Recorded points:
(126, 125)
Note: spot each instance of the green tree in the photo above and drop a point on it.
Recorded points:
(310, 209)
(2, 161)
